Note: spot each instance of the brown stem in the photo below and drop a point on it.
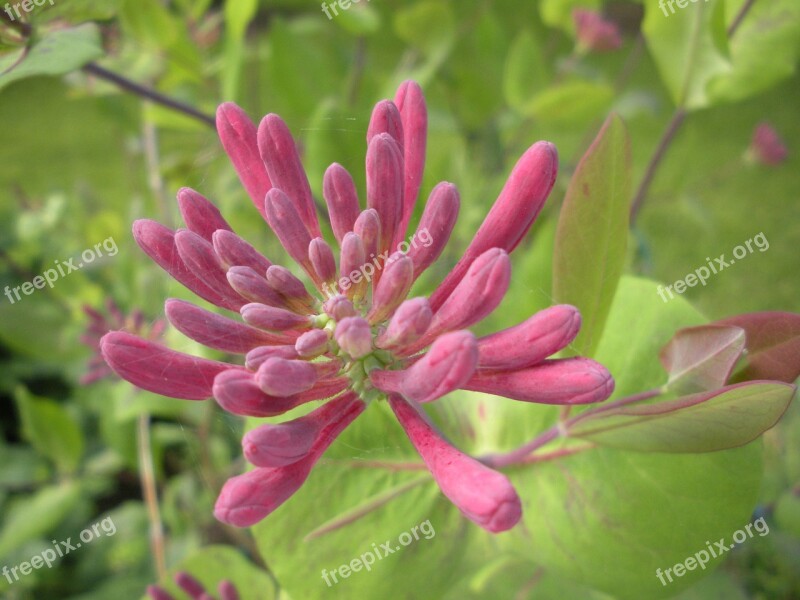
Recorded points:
(148, 483)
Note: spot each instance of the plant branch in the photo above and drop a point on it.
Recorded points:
(150, 94)
(148, 483)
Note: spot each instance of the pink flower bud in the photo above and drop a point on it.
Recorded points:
(767, 147)
(199, 214)
(257, 356)
(227, 591)
(368, 228)
(158, 243)
(354, 336)
(158, 369)
(252, 286)
(386, 119)
(410, 102)
(280, 377)
(216, 331)
(321, 257)
(446, 367)
(283, 281)
(189, 584)
(385, 185)
(238, 135)
(341, 197)
(280, 444)
(157, 593)
(312, 343)
(530, 342)
(438, 220)
(512, 215)
(248, 498)
(338, 307)
(352, 283)
(235, 252)
(560, 381)
(284, 220)
(392, 288)
(272, 318)
(409, 322)
(278, 150)
(483, 495)
(594, 32)
(237, 392)
(199, 256)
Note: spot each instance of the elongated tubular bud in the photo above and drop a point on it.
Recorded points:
(158, 242)
(280, 444)
(409, 322)
(227, 591)
(283, 281)
(158, 369)
(272, 318)
(254, 287)
(199, 255)
(237, 392)
(321, 257)
(512, 214)
(200, 215)
(248, 498)
(446, 367)
(235, 252)
(560, 381)
(341, 197)
(280, 377)
(392, 288)
(532, 341)
(483, 495)
(475, 296)
(216, 331)
(368, 228)
(257, 356)
(353, 258)
(385, 185)
(410, 101)
(190, 585)
(239, 137)
(284, 220)
(386, 119)
(338, 307)
(435, 227)
(279, 152)
(158, 593)
(354, 336)
(312, 343)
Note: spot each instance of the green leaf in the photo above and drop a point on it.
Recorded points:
(238, 14)
(37, 514)
(429, 26)
(525, 71)
(50, 429)
(690, 49)
(59, 52)
(764, 50)
(571, 101)
(704, 422)
(213, 564)
(701, 358)
(592, 232)
(787, 512)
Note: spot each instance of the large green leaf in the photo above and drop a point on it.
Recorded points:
(592, 232)
(764, 50)
(704, 422)
(689, 47)
(60, 51)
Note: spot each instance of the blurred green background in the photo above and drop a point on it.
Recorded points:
(80, 159)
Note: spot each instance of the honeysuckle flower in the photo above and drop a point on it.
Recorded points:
(766, 147)
(100, 324)
(194, 589)
(595, 33)
(357, 338)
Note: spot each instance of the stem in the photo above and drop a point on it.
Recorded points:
(150, 94)
(674, 124)
(148, 483)
(515, 456)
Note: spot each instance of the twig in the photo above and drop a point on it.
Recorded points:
(150, 94)
(148, 482)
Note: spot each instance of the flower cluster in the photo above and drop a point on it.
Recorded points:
(362, 342)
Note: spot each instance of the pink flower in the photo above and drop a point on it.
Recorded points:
(595, 32)
(357, 338)
(767, 147)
